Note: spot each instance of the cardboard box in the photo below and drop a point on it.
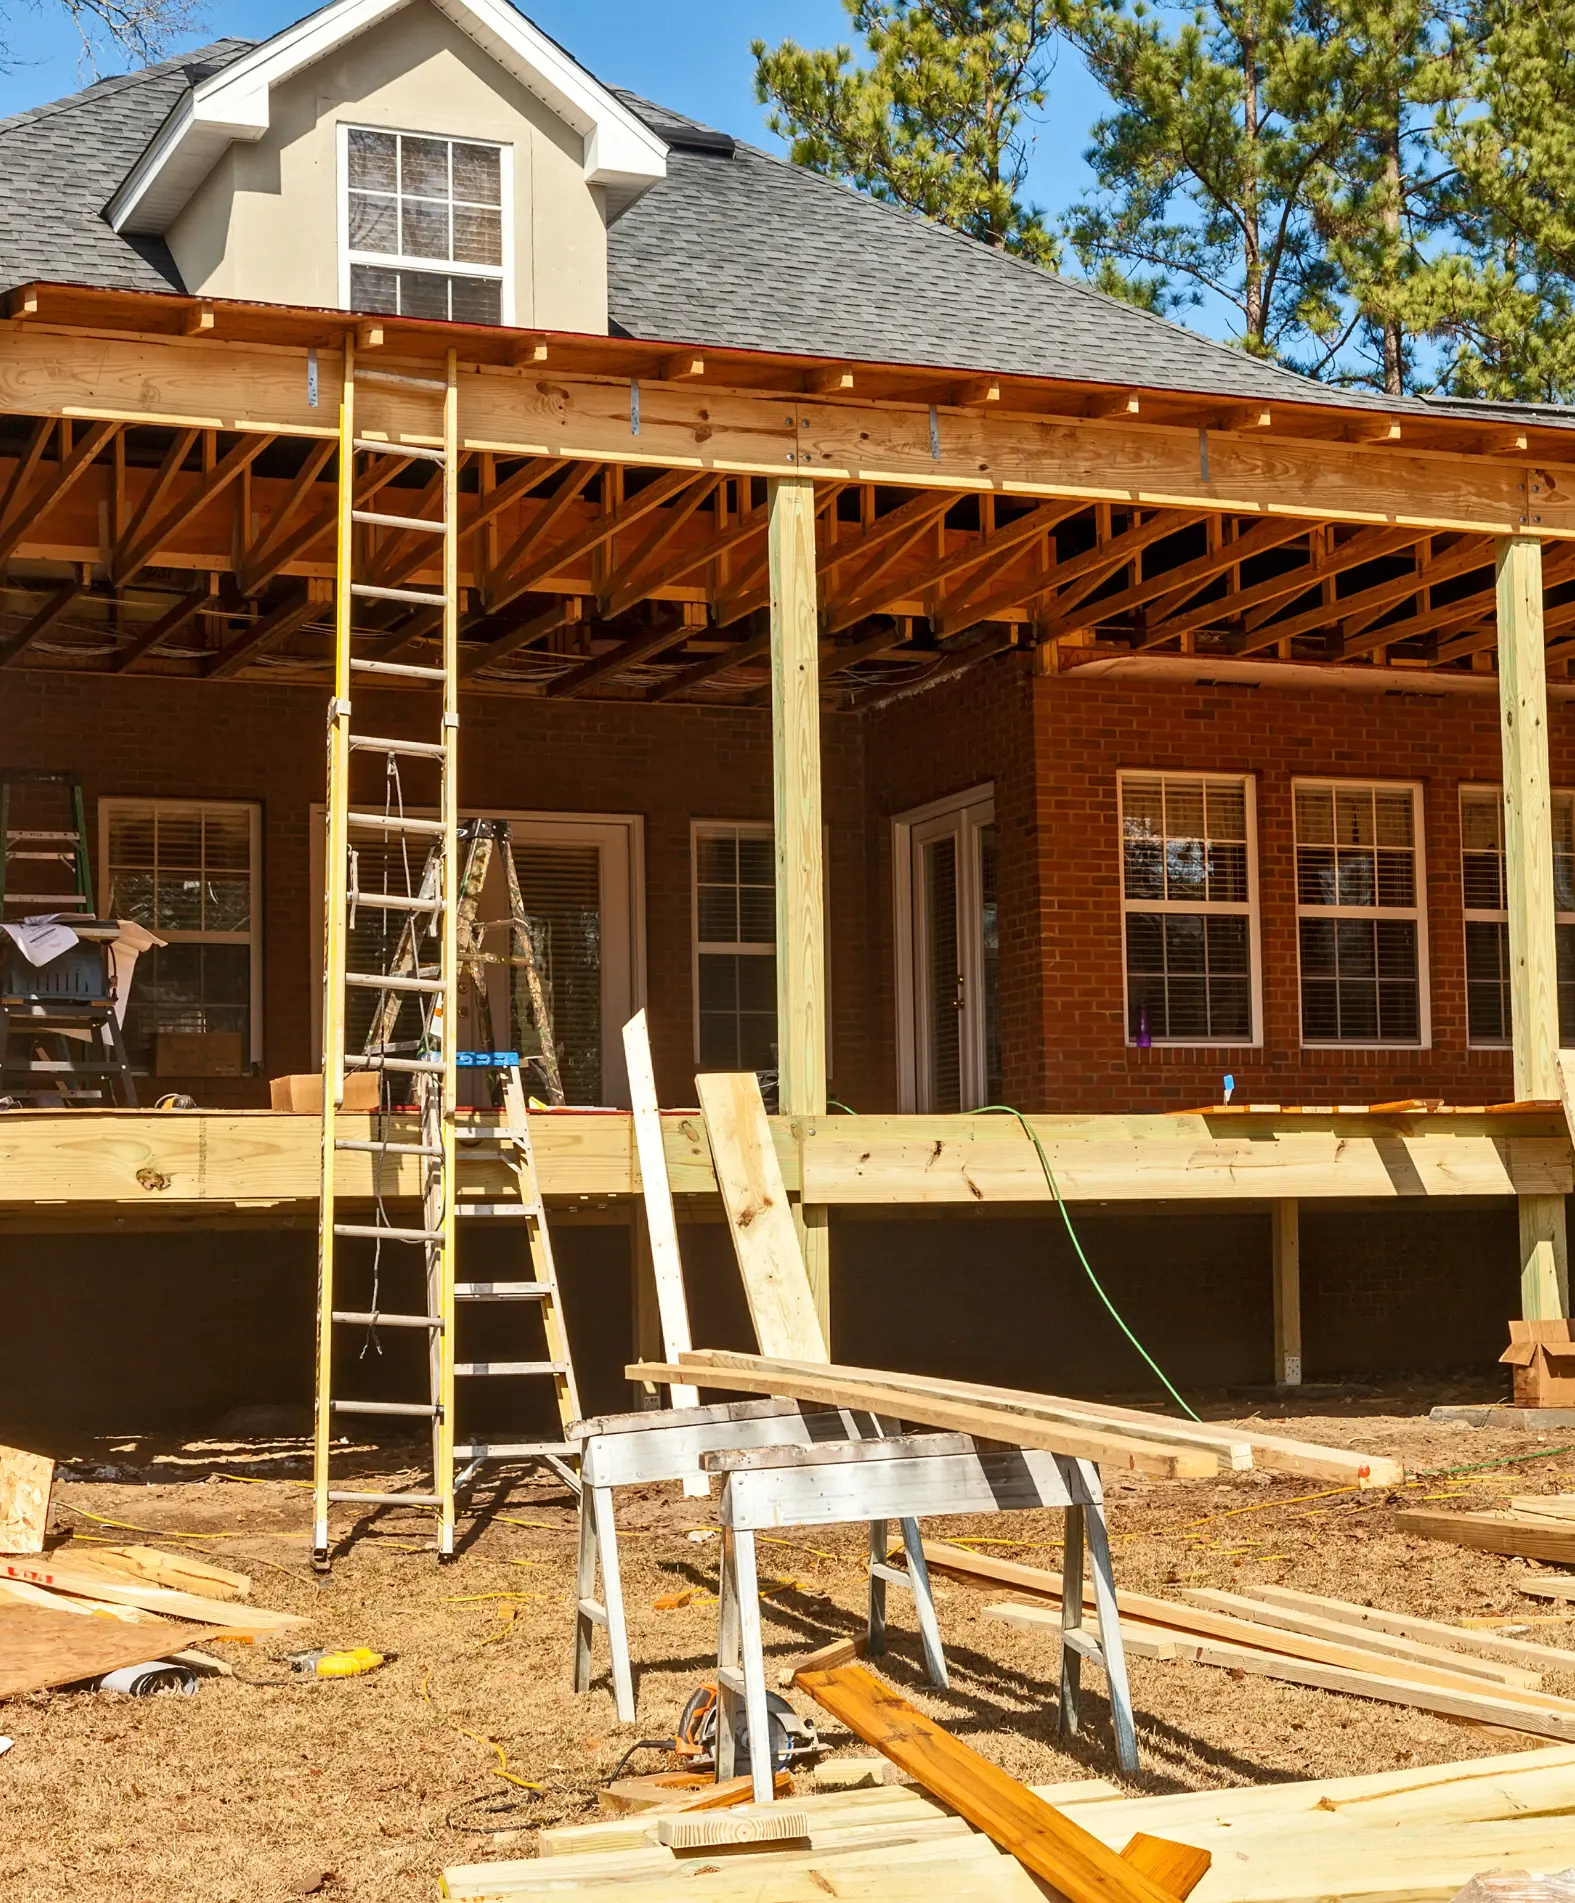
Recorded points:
(304, 1092)
(198, 1054)
(1542, 1355)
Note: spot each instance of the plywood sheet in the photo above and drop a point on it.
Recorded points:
(40, 1648)
(25, 1480)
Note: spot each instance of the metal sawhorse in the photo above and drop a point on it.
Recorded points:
(905, 1478)
(630, 1450)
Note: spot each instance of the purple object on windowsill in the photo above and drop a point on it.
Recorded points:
(1143, 1039)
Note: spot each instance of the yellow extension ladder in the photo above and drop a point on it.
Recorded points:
(427, 976)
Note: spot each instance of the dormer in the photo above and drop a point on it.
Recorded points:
(431, 158)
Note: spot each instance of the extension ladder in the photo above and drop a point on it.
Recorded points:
(425, 972)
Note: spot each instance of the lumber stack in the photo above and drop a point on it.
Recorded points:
(1119, 1438)
(1390, 1837)
(1305, 1639)
(65, 1618)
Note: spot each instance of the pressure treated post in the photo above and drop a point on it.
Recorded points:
(795, 746)
(1528, 879)
(1285, 1215)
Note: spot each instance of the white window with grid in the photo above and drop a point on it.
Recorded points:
(735, 940)
(1361, 924)
(1483, 890)
(191, 872)
(1189, 899)
(425, 226)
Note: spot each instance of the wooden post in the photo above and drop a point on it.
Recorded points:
(1284, 1214)
(795, 743)
(1528, 878)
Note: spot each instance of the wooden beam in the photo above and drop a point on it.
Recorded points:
(1181, 581)
(204, 489)
(276, 547)
(594, 535)
(683, 366)
(198, 320)
(268, 632)
(567, 610)
(888, 545)
(800, 875)
(1460, 560)
(1285, 1216)
(834, 379)
(163, 626)
(53, 608)
(153, 497)
(1528, 880)
(687, 560)
(627, 586)
(576, 479)
(752, 648)
(644, 647)
(36, 503)
(977, 390)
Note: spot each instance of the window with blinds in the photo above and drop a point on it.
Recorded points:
(1487, 916)
(735, 914)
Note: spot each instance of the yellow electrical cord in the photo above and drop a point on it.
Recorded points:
(501, 1768)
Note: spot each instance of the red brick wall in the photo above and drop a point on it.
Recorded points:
(180, 739)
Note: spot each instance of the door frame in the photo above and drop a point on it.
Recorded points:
(969, 810)
(623, 916)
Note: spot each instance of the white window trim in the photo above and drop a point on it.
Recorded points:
(502, 273)
(1418, 912)
(1197, 907)
(1474, 914)
(974, 809)
(623, 917)
(110, 805)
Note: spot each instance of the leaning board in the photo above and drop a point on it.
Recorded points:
(40, 1648)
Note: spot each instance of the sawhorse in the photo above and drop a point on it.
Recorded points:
(904, 1478)
(630, 1450)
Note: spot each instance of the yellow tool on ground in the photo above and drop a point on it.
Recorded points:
(350, 1663)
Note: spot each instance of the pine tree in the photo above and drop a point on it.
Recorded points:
(938, 119)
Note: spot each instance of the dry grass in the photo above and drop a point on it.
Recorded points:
(263, 1788)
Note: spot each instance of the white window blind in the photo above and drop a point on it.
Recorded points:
(1487, 918)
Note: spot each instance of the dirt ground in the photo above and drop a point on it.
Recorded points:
(263, 1787)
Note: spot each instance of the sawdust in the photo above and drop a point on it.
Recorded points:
(264, 1787)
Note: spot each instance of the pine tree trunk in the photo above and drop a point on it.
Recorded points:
(1256, 316)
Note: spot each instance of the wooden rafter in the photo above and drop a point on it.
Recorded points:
(751, 648)
(675, 627)
(153, 499)
(499, 587)
(274, 627)
(627, 584)
(161, 628)
(33, 504)
(276, 547)
(203, 490)
(45, 618)
(886, 542)
(27, 464)
(1170, 589)
(1460, 560)
(686, 561)
(526, 632)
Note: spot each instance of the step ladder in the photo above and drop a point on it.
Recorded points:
(423, 972)
(63, 842)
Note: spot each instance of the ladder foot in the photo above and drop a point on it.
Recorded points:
(321, 1563)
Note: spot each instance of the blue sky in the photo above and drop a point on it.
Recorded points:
(694, 57)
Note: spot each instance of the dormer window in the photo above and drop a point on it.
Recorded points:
(423, 226)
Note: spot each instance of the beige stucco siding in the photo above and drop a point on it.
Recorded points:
(265, 222)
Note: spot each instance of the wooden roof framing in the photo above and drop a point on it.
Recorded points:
(167, 507)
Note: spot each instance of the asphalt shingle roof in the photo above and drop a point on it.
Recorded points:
(734, 248)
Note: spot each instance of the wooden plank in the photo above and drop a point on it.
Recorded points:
(93, 1583)
(729, 1831)
(1492, 1533)
(25, 1482)
(40, 1648)
(866, 1168)
(667, 1267)
(1546, 1586)
(781, 1302)
(1043, 1839)
(1238, 1447)
(798, 828)
(1139, 1640)
(1176, 1868)
(1547, 1658)
(184, 1571)
(1111, 1449)
(1315, 1626)
(1285, 1218)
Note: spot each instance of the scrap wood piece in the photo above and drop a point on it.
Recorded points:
(1511, 1533)
(833, 1386)
(773, 1824)
(184, 1571)
(1238, 1447)
(1341, 1632)
(1190, 1622)
(88, 1583)
(1043, 1839)
(40, 1648)
(25, 1481)
(660, 1222)
(1546, 1658)
(1545, 1586)
(770, 1259)
(1545, 1506)
(1138, 1640)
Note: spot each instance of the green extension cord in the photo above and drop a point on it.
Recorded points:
(1007, 1110)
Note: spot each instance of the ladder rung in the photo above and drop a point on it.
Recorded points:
(338, 1494)
(365, 374)
(386, 1149)
(428, 1410)
(396, 902)
(511, 1367)
(411, 1066)
(408, 668)
(398, 823)
(52, 858)
(45, 898)
(422, 749)
(397, 521)
(377, 981)
(514, 1450)
(496, 1209)
(378, 1319)
(398, 449)
(387, 1235)
(423, 597)
(502, 1291)
(31, 832)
